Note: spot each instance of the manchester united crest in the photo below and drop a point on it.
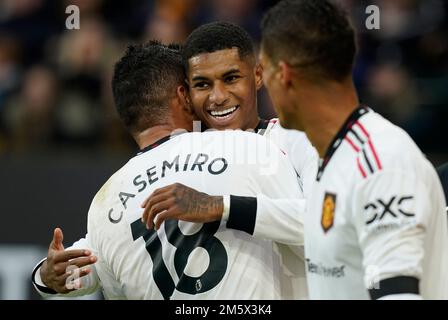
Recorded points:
(328, 209)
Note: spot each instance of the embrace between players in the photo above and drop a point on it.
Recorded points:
(231, 214)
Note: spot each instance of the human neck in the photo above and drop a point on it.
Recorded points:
(151, 135)
(325, 110)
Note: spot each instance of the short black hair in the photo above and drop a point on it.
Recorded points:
(217, 36)
(313, 34)
(144, 81)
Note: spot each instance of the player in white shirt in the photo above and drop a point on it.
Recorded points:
(187, 260)
(279, 220)
(184, 260)
(223, 78)
(376, 226)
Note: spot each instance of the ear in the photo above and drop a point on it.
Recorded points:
(258, 75)
(285, 73)
(184, 98)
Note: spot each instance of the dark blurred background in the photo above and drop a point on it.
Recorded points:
(60, 137)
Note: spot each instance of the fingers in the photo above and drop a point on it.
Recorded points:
(152, 201)
(62, 268)
(145, 202)
(169, 188)
(70, 280)
(155, 193)
(67, 255)
(162, 199)
(82, 262)
(158, 208)
(161, 217)
(58, 237)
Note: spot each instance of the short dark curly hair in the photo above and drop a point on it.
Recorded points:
(315, 35)
(144, 80)
(217, 36)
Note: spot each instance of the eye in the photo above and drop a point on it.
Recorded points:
(231, 78)
(200, 85)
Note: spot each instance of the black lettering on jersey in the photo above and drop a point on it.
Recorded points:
(184, 244)
(403, 199)
(138, 182)
(198, 163)
(187, 161)
(124, 196)
(151, 172)
(222, 164)
(325, 271)
(169, 165)
(380, 208)
(115, 220)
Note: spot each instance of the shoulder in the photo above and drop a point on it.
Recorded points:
(104, 196)
(385, 144)
(275, 131)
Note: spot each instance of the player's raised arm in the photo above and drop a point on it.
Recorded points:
(69, 272)
(275, 214)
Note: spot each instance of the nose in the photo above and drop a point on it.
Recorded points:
(219, 94)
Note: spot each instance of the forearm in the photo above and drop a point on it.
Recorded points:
(280, 220)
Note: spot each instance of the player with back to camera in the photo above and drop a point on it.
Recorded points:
(376, 226)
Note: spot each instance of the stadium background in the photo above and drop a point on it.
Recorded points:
(60, 137)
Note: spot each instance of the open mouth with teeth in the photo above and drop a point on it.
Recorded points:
(223, 114)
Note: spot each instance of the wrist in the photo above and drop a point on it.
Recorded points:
(219, 207)
(43, 273)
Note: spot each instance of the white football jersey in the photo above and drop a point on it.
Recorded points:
(304, 158)
(185, 260)
(280, 220)
(376, 223)
(295, 144)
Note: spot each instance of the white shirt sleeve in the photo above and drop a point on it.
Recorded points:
(89, 283)
(391, 218)
(280, 220)
(276, 213)
(97, 237)
(300, 152)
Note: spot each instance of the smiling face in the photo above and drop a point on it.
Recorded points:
(223, 89)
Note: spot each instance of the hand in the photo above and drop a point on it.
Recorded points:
(177, 201)
(54, 272)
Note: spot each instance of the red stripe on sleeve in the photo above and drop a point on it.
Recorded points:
(377, 159)
(363, 173)
(363, 129)
(352, 144)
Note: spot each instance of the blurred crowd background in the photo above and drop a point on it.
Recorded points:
(60, 137)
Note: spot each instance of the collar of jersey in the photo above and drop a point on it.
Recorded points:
(336, 142)
(157, 143)
(261, 126)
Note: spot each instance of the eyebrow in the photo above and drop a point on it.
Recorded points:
(199, 78)
(228, 73)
